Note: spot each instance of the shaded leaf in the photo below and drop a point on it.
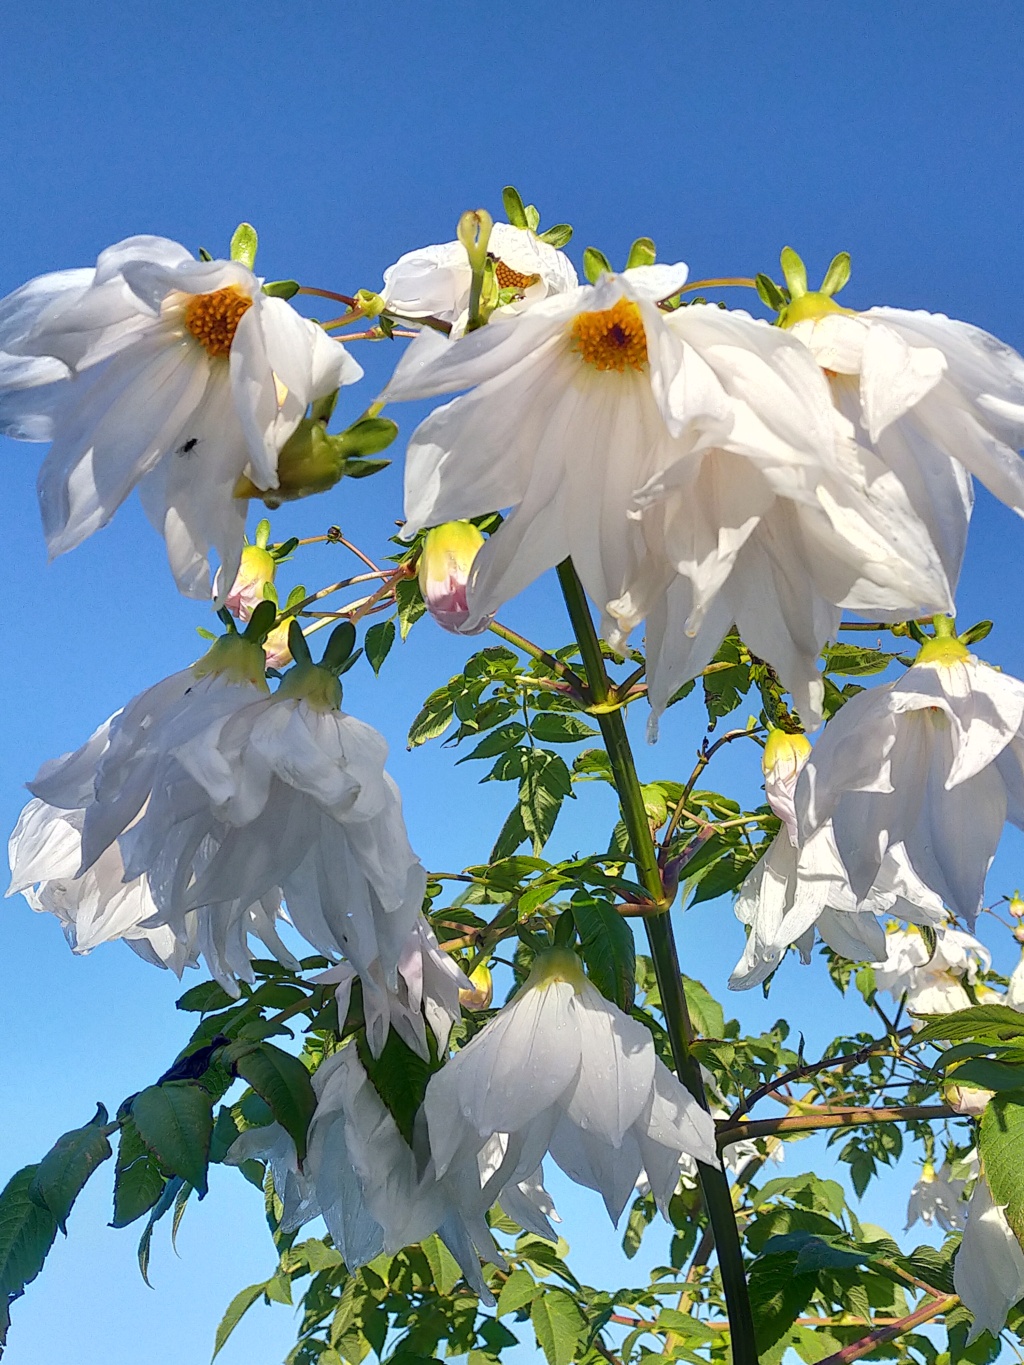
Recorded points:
(68, 1164)
(607, 948)
(282, 1082)
(26, 1233)
(378, 642)
(175, 1121)
(138, 1179)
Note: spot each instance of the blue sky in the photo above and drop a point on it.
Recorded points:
(349, 133)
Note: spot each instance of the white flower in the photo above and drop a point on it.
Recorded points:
(797, 889)
(937, 1198)
(434, 281)
(930, 980)
(560, 1069)
(180, 377)
(691, 464)
(426, 994)
(372, 1190)
(937, 400)
(933, 761)
(988, 1272)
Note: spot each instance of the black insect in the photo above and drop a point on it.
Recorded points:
(187, 447)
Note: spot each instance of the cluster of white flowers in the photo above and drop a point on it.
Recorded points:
(703, 470)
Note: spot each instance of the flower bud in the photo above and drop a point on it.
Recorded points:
(483, 989)
(258, 567)
(445, 561)
(1018, 932)
(783, 758)
(968, 1100)
(275, 646)
(1016, 906)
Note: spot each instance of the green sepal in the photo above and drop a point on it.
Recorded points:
(642, 252)
(204, 255)
(339, 647)
(261, 622)
(558, 236)
(837, 276)
(976, 632)
(515, 209)
(284, 550)
(298, 644)
(322, 409)
(244, 242)
(595, 264)
(770, 294)
(365, 437)
(281, 289)
(794, 272)
(532, 217)
(262, 537)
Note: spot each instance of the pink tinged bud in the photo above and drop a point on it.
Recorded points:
(1016, 906)
(969, 1100)
(258, 567)
(783, 759)
(275, 646)
(445, 563)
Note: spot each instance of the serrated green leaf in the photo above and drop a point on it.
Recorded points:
(989, 1075)
(1000, 1143)
(497, 742)
(518, 1290)
(243, 245)
(550, 727)
(443, 1265)
(853, 660)
(207, 996)
(236, 1311)
(175, 1121)
(558, 1325)
(542, 789)
(777, 1297)
(510, 836)
(410, 604)
(706, 1014)
(138, 1180)
(433, 718)
(607, 948)
(998, 1022)
(281, 1081)
(399, 1077)
(378, 642)
(595, 264)
(66, 1167)
(26, 1233)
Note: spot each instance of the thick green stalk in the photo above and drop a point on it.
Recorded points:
(714, 1182)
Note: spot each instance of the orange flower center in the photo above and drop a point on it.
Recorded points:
(612, 339)
(213, 318)
(512, 279)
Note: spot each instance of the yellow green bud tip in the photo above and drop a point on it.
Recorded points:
(371, 304)
(312, 684)
(784, 748)
(234, 658)
(557, 964)
(943, 650)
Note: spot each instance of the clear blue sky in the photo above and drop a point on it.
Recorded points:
(348, 133)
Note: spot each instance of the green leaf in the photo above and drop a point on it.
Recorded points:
(558, 1325)
(399, 1077)
(989, 1075)
(838, 274)
(607, 948)
(1000, 1143)
(26, 1233)
(558, 236)
(138, 1179)
(498, 741)
(706, 1014)
(794, 272)
(66, 1167)
(207, 996)
(518, 1290)
(515, 209)
(510, 836)
(175, 1121)
(243, 245)
(281, 289)
(595, 264)
(543, 788)
(551, 728)
(853, 660)
(443, 1265)
(777, 1296)
(281, 1081)
(378, 642)
(236, 1311)
(642, 252)
(998, 1022)
(433, 719)
(410, 604)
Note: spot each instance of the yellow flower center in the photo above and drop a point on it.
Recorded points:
(612, 339)
(213, 318)
(512, 279)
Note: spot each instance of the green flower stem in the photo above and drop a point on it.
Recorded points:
(714, 1182)
(556, 666)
